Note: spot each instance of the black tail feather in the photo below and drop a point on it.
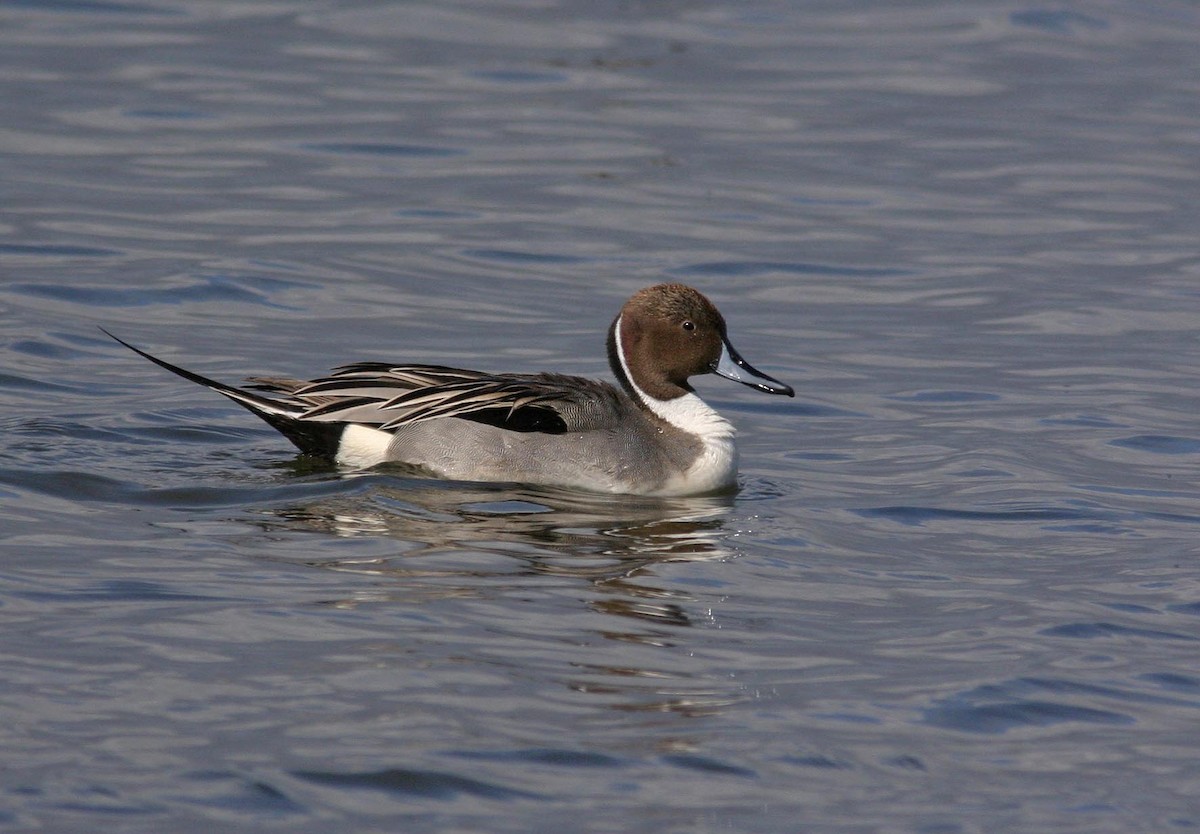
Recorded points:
(310, 437)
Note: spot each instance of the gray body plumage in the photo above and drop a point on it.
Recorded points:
(535, 428)
(599, 458)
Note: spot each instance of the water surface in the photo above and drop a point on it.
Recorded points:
(956, 591)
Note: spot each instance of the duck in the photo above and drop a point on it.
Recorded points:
(650, 434)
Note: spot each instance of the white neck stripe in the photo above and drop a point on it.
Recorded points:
(624, 363)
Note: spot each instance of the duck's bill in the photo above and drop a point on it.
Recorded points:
(732, 366)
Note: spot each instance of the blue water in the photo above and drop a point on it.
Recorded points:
(956, 592)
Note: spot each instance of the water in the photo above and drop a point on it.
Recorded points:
(956, 592)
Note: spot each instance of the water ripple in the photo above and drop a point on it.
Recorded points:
(125, 590)
(1015, 704)
(209, 288)
(83, 486)
(381, 149)
(749, 268)
(1160, 444)
(57, 250)
(706, 764)
(545, 756)
(960, 714)
(919, 516)
(88, 7)
(1103, 629)
(404, 782)
(225, 793)
(1057, 21)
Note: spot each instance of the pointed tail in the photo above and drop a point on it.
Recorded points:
(311, 437)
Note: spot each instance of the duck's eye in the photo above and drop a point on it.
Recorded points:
(689, 326)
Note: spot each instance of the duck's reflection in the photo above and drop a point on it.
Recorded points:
(449, 540)
(599, 538)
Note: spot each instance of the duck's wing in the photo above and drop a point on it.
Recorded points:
(393, 396)
(362, 380)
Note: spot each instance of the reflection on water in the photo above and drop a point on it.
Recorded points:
(598, 538)
(475, 542)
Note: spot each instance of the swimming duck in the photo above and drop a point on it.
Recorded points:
(649, 435)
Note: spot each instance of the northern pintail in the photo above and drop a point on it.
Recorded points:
(651, 436)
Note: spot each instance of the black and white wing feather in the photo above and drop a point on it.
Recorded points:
(391, 397)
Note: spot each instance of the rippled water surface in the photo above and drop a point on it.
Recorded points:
(956, 592)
